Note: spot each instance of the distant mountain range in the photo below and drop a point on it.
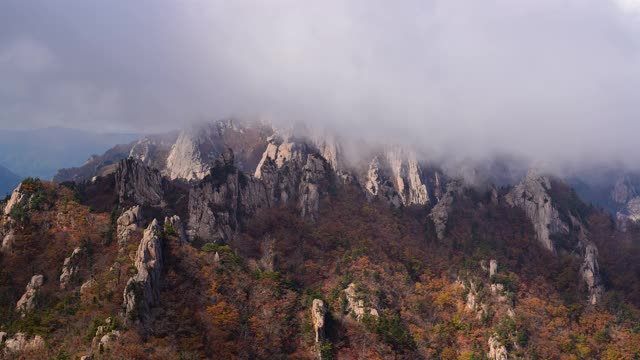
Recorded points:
(41, 152)
(8, 181)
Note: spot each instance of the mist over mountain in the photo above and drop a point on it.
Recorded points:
(457, 78)
(360, 179)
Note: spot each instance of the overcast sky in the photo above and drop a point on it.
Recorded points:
(543, 78)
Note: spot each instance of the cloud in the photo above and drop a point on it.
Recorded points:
(549, 80)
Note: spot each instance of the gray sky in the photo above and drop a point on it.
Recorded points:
(548, 79)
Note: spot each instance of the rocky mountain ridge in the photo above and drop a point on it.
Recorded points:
(293, 251)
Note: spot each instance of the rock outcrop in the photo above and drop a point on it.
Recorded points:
(185, 160)
(175, 223)
(17, 198)
(105, 335)
(440, 212)
(218, 202)
(139, 184)
(8, 239)
(356, 305)
(70, 268)
(143, 290)
(20, 342)
(314, 180)
(531, 195)
(493, 267)
(497, 351)
(318, 312)
(589, 270)
(28, 300)
(397, 176)
(189, 155)
(377, 185)
(293, 170)
(127, 223)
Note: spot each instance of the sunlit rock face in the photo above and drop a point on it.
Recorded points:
(143, 289)
(190, 154)
(396, 175)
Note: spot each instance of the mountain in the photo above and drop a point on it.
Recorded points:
(41, 152)
(240, 240)
(8, 181)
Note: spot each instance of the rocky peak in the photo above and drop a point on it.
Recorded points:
(396, 174)
(17, 197)
(623, 190)
(127, 223)
(283, 150)
(185, 160)
(139, 184)
(532, 196)
(143, 289)
(377, 183)
(216, 203)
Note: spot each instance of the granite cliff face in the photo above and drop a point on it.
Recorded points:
(137, 183)
(440, 212)
(242, 259)
(531, 195)
(143, 290)
(218, 202)
(189, 155)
